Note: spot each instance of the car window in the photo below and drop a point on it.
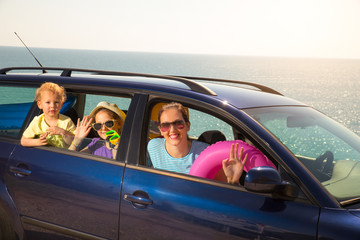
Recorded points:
(205, 130)
(15, 103)
(328, 150)
(92, 100)
(14, 112)
(202, 122)
(95, 141)
(210, 129)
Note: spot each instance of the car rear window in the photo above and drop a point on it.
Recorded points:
(15, 103)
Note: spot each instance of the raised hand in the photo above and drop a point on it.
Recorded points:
(233, 166)
(83, 127)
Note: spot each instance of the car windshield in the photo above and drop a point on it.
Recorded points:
(329, 150)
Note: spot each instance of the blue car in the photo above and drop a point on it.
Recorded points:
(309, 190)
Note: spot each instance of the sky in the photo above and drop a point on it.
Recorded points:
(288, 28)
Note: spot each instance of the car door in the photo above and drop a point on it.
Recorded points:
(165, 205)
(61, 193)
(15, 104)
(66, 193)
(161, 205)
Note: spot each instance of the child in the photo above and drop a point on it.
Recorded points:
(51, 127)
(107, 117)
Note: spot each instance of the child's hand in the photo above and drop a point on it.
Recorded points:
(83, 128)
(234, 166)
(56, 131)
(42, 140)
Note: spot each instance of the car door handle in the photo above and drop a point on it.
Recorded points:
(137, 199)
(20, 171)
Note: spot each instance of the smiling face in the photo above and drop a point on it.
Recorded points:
(50, 103)
(104, 116)
(174, 135)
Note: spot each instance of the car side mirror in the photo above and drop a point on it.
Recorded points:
(267, 180)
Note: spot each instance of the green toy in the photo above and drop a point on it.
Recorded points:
(113, 137)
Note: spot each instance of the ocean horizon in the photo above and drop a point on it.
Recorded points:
(329, 85)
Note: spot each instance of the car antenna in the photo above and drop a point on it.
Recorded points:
(44, 71)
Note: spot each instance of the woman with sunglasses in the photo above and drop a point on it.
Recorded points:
(106, 117)
(176, 152)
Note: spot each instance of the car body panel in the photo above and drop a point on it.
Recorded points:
(338, 224)
(210, 212)
(8, 209)
(66, 191)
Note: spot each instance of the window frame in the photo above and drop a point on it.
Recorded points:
(240, 130)
(77, 90)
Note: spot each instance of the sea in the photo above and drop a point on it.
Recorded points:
(331, 86)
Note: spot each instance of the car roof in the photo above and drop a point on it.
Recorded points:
(243, 98)
(237, 93)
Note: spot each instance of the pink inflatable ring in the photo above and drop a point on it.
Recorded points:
(209, 162)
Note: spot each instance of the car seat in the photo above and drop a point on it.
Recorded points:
(211, 137)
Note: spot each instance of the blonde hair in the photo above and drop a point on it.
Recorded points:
(52, 87)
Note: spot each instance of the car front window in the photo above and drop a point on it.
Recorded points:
(325, 147)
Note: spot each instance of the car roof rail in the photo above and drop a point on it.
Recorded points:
(258, 86)
(67, 72)
(188, 81)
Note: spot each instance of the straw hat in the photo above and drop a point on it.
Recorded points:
(110, 106)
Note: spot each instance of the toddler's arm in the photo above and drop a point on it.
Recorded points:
(34, 142)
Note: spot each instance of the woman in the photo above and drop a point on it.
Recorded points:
(107, 116)
(176, 152)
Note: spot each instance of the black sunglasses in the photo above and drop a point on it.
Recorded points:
(108, 124)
